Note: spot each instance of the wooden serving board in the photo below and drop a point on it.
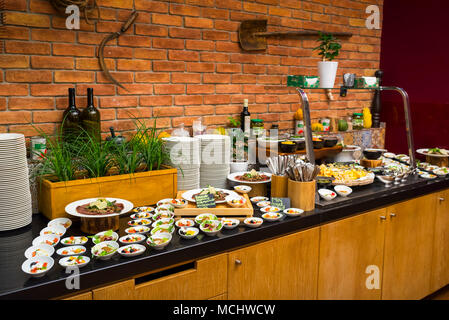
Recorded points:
(221, 210)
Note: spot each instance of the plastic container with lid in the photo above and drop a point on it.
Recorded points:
(357, 121)
(257, 127)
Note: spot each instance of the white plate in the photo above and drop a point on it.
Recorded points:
(143, 209)
(271, 209)
(250, 225)
(424, 152)
(139, 222)
(441, 171)
(188, 195)
(141, 215)
(70, 251)
(205, 216)
(184, 223)
(157, 236)
(64, 262)
(295, 214)
(57, 230)
(26, 266)
(104, 244)
(140, 238)
(262, 204)
(343, 191)
(389, 155)
(242, 189)
(140, 250)
(162, 221)
(276, 216)
(71, 208)
(258, 199)
(141, 229)
(47, 237)
(217, 224)
(232, 176)
(185, 229)
(114, 236)
(64, 222)
(164, 201)
(327, 194)
(428, 176)
(41, 250)
(233, 223)
(77, 240)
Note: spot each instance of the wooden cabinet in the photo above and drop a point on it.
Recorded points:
(118, 291)
(284, 268)
(440, 261)
(81, 296)
(348, 249)
(408, 249)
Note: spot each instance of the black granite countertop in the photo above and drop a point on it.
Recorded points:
(15, 284)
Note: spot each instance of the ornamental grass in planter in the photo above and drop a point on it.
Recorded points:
(83, 167)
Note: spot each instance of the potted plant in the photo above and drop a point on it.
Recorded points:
(328, 49)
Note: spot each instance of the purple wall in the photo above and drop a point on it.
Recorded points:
(415, 56)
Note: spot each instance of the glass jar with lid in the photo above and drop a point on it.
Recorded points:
(357, 121)
(257, 127)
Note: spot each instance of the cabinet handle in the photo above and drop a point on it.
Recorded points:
(442, 199)
(237, 261)
(392, 215)
(382, 217)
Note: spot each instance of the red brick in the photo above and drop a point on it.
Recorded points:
(186, 78)
(229, 4)
(168, 111)
(122, 77)
(166, 19)
(134, 41)
(151, 54)
(134, 65)
(15, 5)
(188, 100)
(99, 89)
(118, 52)
(252, 69)
(228, 88)
(200, 67)
(150, 30)
(62, 49)
(200, 88)
(168, 43)
(47, 116)
(74, 76)
(28, 76)
(53, 35)
(216, 78)
(168, 66)
(31, 130)
(183, 55)
(169, 88)
(155, 101)
(11, 32)
(254, 7)
(14, 117)
(108, 26)
(243, 78)
(152, 77)
(123, 4)
(13, 89)
(118, 102)
(30, 103)
(2, 104)
(197, 111)
(41, 6)
(93, 64)
(136, 89)
(50, 62)
(200, 45)
(214, 57)
(184, 10)
(152, 6)
(229, 68)
(215, 13)
(50, 89)
(226, 25)
(217, 99)
(131, 113)
(27, 19)
(14, 61)
(184, 33)
(202, 23)
(27, 47)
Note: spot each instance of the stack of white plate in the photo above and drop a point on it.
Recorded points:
(15, 195)
(184, 155)
(215, 160)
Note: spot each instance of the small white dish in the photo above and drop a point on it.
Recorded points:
(137, 230)
(389, 155)
(49, 239)
(188, 232)
(262, 204)
(162, 221)
(343, 191)
(258, 199)
(163, 214)
(163, 228)
(236, 202)
(184, 223)
(44, 264)
(132, 238)
(243, 189)
(159, 241)
(179, 203)
(205, 216)
(211, 227)
(293, 212)
(39, 251)
(164, 201)
(108, 235)
(141, 215)
(71, 251)
(443, 171)
(131, 250)
(72, 261)
(230, 223)
(270, 209)
(428, 176)
(165, 207)
(327, 194)
(64, 222)
(74, 240)
(272, 216)
(253, 222)
(143, 209)
(57, 230)
(105, 250)
(139, 222)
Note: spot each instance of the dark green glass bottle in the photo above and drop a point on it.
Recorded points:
(71, 120)
(91, 118)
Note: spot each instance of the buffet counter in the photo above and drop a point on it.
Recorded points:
(328, 245)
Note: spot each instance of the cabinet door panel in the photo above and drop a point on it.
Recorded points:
(440, 262)
(408, 249)
(284, 268)
(347, 248)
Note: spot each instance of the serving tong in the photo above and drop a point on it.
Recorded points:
(302, 171)
(278, 164)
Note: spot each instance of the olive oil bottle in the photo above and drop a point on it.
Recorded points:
(71, 121)
(90, 117)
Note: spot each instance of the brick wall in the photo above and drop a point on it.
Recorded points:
(180, 60)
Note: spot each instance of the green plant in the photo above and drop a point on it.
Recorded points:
(329, 47)
(127, 157)
(235, 123)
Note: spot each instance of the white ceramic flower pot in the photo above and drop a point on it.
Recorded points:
(327, 71)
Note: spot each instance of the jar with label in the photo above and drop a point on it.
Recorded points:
(257, 127)
(357, 121)
(38, 148)
(326, 123)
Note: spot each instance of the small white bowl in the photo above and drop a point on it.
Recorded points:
(64, 262)
(163, 214)
(257, 222)
(52, 239)
(137, 230)
(241, 202)
(443, 171)
(41, 250)
(230, 223)
(182, 231)
(63, 222)
(139, 222)
(69, 251)
(140, 249)
(216, 224)
(162, 221)
(343, 191)
(243, 189)
(262, 204)
(57, 230)
(205, 216)
(114, 237)
(165, 207)
(428, 176)
(296, 212)
(156, 237)
(271, 209)
(327, 194)
(272, 216)
(132, 238)
(179, 203)
(164, 201)
(28, 264)
(184, 223)
(163, 228)
(141, 215)
(258, 199)
(108, 256)
(143, 209)
(74, 241)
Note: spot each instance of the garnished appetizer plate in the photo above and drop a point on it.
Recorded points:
(132, 238)
(184, 223)
(165, 207)
(270, 209)
(74, 240)
(236, 202)
(159, 241)
(434, 152)
(139, 222)
(163, 228)
(104, 250)
(258, 199)
(179, 203)
(71, 250)
(64, 222)
(108, 235)
(164, 201)
(293, 212)
(131, 250)
(230, 223)
(143, 209)
(220, 195)
(262, 204)
(205, 216)
(57, 230)
(428, 176)
(162, 221)
(211, 227)
(141, 215)
(441, 171)
(251, 177)
(242, 189)
(327, 194)
(39, 251)
(137, 230)
(163, 214)
(38, 266)
(49, 239)
(389, 155)
(188, 232)
(98, 207)
(253, 222)
(79, 261)
(272, 216)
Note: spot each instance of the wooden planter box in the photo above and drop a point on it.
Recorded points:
(143, 188)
